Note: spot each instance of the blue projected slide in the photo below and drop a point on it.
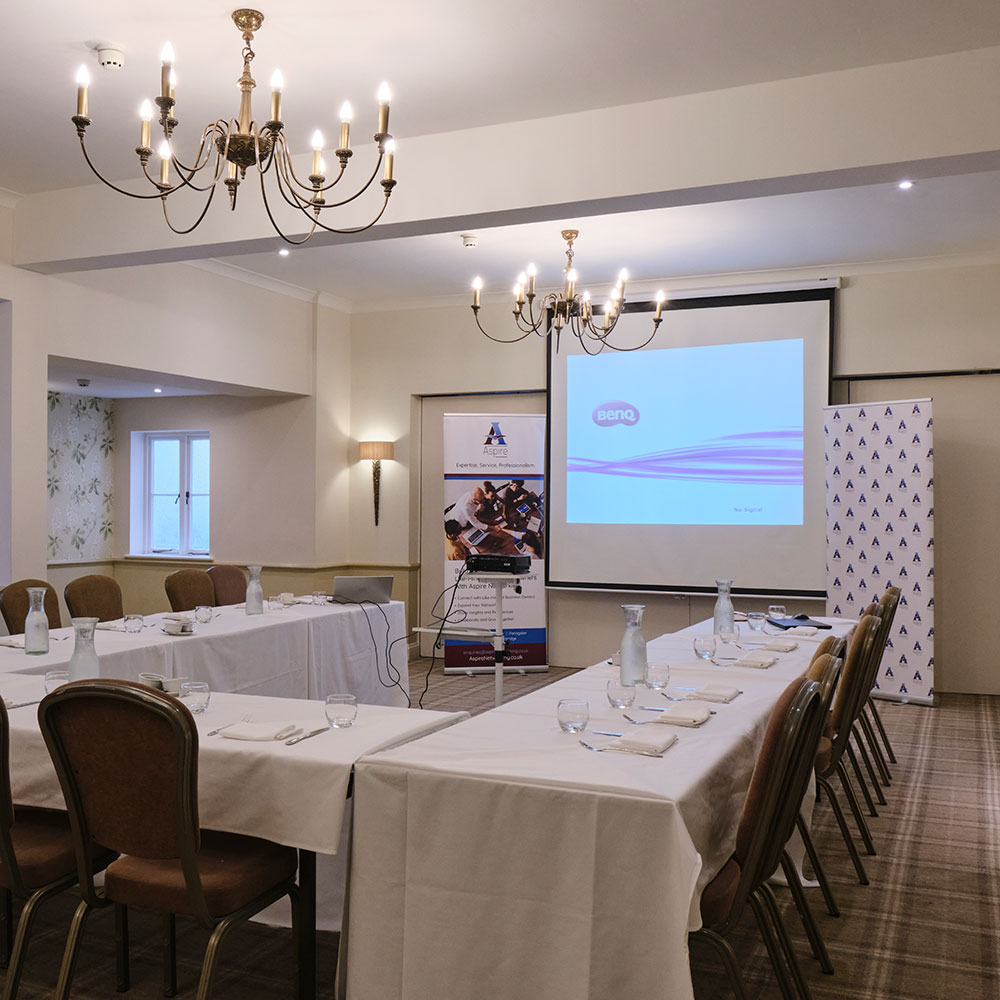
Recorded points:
(687, 435)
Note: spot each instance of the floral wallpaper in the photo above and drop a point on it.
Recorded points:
(80, 473)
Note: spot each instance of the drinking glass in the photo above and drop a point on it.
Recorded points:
(341, 710)
(195, 695)
(203, 613)
(756, 619)
(620, 695)
(657, 676)
(54, 679)
(704, 647)
(133, 624)
(731, 634)
(776, 611)
(319, 597)
(573, 714)
(275, 603)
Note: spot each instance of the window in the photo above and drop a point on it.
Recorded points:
(175, 497)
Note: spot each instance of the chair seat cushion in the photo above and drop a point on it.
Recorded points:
(234, 870)
(43, 846)
(717, 897)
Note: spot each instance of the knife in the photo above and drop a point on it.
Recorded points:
(605, 732)
(306, 736)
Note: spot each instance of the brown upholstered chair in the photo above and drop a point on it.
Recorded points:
(780, 779)
(188, 589)
(835, 744)
(14, 604)
(127, 761)
(37, 860)
(889, 601)
(230, 585)
(94, 596)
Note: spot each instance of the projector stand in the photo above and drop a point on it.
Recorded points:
(499, 651)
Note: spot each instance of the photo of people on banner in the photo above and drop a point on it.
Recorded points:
(503, 518)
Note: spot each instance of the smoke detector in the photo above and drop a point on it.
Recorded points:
(83, 382)
(109, 56)
(469, 240)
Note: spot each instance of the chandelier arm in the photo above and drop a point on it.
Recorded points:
(201, 149)
(277, 228)
(196, 223)
(499, 340)
(356, 229)
(287, 191)
(360, 191)
(638, 347)
(527, 325)
(114, 187)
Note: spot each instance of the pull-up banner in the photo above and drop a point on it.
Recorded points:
(494, 494)
(880, 531)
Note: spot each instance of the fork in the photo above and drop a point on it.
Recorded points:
(638, 753)
(215, 732)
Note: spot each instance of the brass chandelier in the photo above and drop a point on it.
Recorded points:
(567, 309)
(232, 147)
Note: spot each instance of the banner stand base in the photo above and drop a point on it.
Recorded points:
(537, 668)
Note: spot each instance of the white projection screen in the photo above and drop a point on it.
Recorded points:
(698, 457)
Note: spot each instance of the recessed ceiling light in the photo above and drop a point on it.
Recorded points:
(905, 185)
(283, 252)
(157, 390)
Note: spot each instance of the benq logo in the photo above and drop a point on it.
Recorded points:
(615, 412)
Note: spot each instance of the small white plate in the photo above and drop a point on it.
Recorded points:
(166, 631)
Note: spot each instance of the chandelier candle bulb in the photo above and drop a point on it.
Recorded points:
(390, 153)
(277, 85)
(346, 114)
(164, 152)
(477, 286)
(172, 87)
(570, 283)
(384, 95)
(145, 117)
(82, 83)
(532, 272)
(317, 145)
(166, 65)
(231, 170)
(660, 299)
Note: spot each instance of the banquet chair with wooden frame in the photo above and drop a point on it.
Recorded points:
(15, 604)
(889, 602)
(188, 589)
(229, 584)
(37, 861)
(834, 745)
(94, 596)
(127, 760)
(779, 780)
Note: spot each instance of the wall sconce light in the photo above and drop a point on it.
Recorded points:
(376, 451)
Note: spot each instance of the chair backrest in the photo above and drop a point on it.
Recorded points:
(94, 596)
(229, 583)
(778, 783)
(8, 859)
(15, 604)
(188, 589)
(832, 644)
(825, 671)
(852, 691)
(127, 761)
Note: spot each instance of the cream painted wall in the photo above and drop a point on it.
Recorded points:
(931, 319)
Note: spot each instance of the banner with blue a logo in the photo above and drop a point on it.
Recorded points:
(880, 530)
(494, 494)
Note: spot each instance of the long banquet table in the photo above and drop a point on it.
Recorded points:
(294, 795)
(302, 651)
(500, 858)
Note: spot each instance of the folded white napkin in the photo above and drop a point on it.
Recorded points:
(261, 731)
(114, 626)
(14, 641)
(652, 740)
(802, 630)
(721, 693)
(182, 616)
(781, 645)
(691, 713)
(758, 659)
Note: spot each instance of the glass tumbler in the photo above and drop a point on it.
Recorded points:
(573, 714)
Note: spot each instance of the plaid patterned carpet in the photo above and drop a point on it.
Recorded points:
(928, 926)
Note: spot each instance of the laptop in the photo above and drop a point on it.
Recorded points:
(375, 589)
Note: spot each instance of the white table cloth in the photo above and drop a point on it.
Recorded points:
(302, 651)
(499, 858)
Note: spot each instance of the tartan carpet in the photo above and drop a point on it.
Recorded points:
(927, 927)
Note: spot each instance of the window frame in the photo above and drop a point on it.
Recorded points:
(185, 441)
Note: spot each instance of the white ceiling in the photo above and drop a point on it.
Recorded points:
(455, 65)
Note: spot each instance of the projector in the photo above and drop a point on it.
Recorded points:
(487, 563)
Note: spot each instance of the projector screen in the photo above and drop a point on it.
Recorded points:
(698, 457)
